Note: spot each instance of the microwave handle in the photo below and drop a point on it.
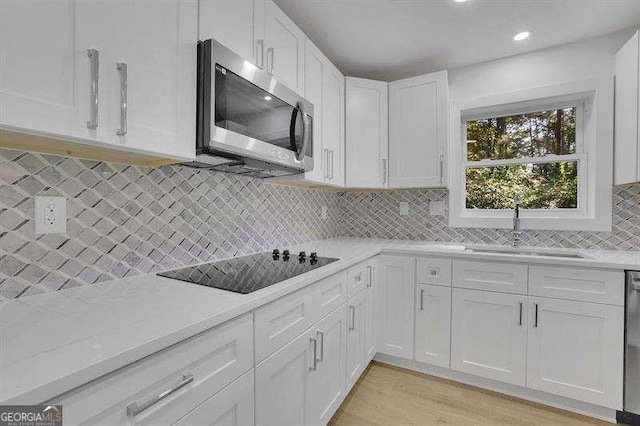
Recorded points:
(306, 131)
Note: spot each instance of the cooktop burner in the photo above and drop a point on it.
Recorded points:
(250, 273)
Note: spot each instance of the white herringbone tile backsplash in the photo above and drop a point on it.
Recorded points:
(127, 220)
(376, 215)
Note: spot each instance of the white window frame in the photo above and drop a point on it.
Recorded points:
(593, 100)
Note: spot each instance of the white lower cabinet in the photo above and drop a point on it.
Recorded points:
(489, 335)
(356, 361)
(328, 380)
(433, 325)
(166, 386)
(575, 350)
(232, 406)
(283, 383)
(370, 311)
(394, 315)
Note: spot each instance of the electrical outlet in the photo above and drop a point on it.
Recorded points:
(323, 212)
(404, 208)
(51, 215)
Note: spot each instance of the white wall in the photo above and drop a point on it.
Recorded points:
(576, 61)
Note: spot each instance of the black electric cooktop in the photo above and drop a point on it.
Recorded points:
(250, 273)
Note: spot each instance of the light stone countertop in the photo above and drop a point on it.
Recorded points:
(51, 343)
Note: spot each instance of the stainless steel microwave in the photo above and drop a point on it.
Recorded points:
(247, 122)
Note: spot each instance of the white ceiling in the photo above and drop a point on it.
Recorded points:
(391, 39)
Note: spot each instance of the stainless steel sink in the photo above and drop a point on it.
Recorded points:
(527, 252)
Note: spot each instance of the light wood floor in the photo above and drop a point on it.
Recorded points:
(387, 395)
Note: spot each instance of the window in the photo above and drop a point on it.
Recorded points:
(535, 155)
(551, 145)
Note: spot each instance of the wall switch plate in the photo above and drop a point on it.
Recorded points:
(323, 212)
(404, 208)
(436, 208)
(51, 215)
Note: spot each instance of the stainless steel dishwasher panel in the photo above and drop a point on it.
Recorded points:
(632, 349)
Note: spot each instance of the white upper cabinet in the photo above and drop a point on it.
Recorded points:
(156, 112)
(284, 48)
(627, 152)
(366, 133)
(237, 24)
(314, 65)
(85, 71)
(45, 71)
(418, 131)
(333, 124)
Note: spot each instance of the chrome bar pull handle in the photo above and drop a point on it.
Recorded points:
(352, 326)
(384, 171)
(369, 276)
(315, 354)
(332, 163)
(122, 69)
(441, 169)
(320, 335)
(270, 60)
(94, 57)
(520, 318)
(260, 53)
(134, 409)
(535, 320)
(422, 299)
(326, 163)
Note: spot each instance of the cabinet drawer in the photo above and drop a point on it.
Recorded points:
(213, 359)
(433, 270)
(357, 278)
(279, 322)
(491, 276)
(330, 293)
(231, 406)
(587, 285)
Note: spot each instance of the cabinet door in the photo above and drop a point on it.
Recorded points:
(418, 131)
(356, 361)
(333, 121)
(576, 350)
(488, 335)
(626, 118)
(330, 293)
(232, 406)
(433, 324)
(394, 316)
(45, 71)
(284, 319)
(367, 135)
(313, 76)
(237, 24)
(160, 87)
(283, 383)
(284, 54)
(328, 382)
(370, 307)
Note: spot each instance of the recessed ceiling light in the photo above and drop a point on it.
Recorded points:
(460, 1)
(267, 98)
(522, 36)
